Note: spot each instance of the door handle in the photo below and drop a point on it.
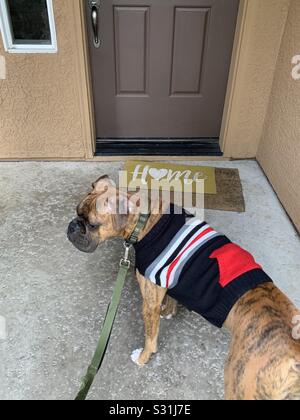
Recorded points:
(95, 6)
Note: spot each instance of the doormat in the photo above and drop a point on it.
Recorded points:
(230, 196)
(153, 171)
(223, 187)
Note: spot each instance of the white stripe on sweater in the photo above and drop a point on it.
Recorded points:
(175, 242)
(162, 260)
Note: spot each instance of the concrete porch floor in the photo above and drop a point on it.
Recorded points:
(54, 298)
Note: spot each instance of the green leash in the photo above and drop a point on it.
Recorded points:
(112, 310)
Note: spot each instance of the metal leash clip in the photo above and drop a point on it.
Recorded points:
(125, 262)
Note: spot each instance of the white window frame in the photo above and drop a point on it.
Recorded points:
(7, 36)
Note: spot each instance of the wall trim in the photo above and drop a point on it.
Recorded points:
(84, 82)
(233, 75)
(120, 159)
(260, 28)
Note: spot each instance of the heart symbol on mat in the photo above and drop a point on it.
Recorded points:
(158, 174)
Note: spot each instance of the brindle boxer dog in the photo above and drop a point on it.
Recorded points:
(264, 359)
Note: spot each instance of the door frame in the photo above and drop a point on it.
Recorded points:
(251, 25)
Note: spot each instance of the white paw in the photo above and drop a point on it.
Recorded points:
(136, 355)
(168, 317)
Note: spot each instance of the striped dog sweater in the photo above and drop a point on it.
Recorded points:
(201, 268)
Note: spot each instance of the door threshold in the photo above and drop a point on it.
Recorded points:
(161, 147)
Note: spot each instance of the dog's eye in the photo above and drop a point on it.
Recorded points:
(91, 226)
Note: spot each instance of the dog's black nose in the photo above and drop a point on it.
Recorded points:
(76, 227)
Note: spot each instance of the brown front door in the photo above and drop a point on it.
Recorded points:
(161, 70)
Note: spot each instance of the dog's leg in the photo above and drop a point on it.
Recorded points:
(169, 308)
(153, 297)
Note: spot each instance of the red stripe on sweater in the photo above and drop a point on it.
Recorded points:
(177, 260)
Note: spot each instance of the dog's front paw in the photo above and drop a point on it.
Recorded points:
(141, 357)
(168, 317)
(135, 356)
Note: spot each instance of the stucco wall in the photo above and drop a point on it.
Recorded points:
(46, 106)
(279, 151)
(41, 101)
(254, 61)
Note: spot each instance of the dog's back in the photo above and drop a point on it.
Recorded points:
(264, 361)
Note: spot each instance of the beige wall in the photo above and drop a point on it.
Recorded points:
(260, 30)
(43, 102)
(46, 109)
(279, 150)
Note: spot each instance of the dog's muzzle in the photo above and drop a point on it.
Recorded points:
(79, 235)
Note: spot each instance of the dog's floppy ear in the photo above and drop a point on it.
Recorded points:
(119, 207)
(102, 184)
(114, 203)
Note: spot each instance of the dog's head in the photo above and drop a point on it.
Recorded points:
(104, 213)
